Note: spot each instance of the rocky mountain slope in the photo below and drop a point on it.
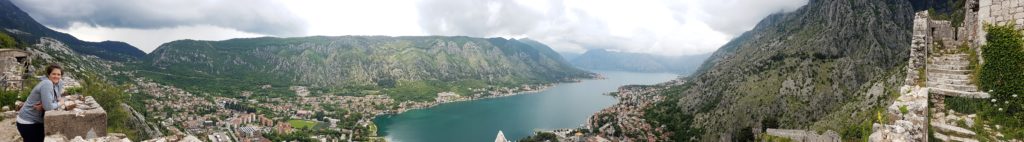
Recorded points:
(422, 66)
(600, 59)
(826, 66)
(20, 25)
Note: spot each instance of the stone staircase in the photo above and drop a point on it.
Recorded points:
(946, 132)
(950, 75)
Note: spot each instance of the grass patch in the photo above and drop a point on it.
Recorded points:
(771, 138)
(973, 61)
(963, 105)
(301, 124)
(922, 75)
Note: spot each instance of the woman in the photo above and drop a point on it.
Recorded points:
(44, 97)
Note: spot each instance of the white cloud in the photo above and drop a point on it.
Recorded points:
(255, 16)
(644, 26)
(365, 17)
(666, 27)
(732, 17)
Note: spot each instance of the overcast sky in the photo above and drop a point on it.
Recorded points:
(666, 27)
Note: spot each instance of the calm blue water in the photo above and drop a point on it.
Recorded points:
(562, 106)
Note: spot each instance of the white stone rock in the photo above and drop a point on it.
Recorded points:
(905, 89)
(969, 121)
(899, 129)
(78, 139)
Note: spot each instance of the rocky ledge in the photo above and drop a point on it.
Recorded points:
(79, 116)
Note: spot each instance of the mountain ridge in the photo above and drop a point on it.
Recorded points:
(600, 59)
(333, 62)
(826, 66)
(19, 24)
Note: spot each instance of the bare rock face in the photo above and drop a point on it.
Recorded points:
(86, 119)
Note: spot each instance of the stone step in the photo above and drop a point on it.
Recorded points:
(932, 70)
(952, 56)
(948, 62)
(951, 81)
(954, 64)
(932, 76)
(959, 55)
(947, 138)
(950, 129)
(957, 93)
(947, 67)
(965, 88)
(949, 59)
(956, 55)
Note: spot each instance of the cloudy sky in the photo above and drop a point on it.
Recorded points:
(666, 27)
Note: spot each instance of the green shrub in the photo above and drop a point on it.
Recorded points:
(903, 110)
(7, 98)
(1003, 74)
(771, 138)
(973, 62)
(7, 41)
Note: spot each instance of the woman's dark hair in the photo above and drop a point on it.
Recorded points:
(49, 69)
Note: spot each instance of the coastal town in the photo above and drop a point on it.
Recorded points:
(624, 120)
(318, 117)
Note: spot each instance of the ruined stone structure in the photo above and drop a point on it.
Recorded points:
(947, 71)
(934, 45)
(919, 45)
(13, 67)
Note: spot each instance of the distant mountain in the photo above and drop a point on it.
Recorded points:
(569, 56)
(829, 65)
(21, 26)
(422, 66)
(600, 59)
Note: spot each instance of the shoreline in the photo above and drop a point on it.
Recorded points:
(542, 87)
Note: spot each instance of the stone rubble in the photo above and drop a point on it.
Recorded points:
(909, 126)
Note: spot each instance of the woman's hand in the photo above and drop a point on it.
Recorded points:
(61, 105)
(38, 106)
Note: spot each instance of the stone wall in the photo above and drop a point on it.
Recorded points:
(943, 33)
(79, 116)
(919, 43)
(999, 12)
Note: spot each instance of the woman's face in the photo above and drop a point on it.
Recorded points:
(54, 75)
